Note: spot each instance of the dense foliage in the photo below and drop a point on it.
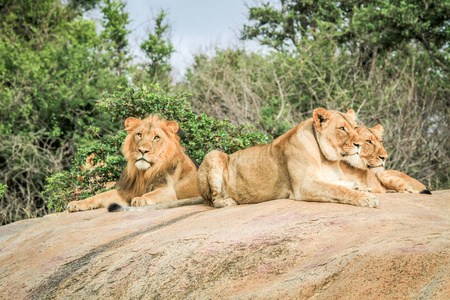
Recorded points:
(199, 135)
(2, 189)
(115, 34)
(158, 50)
(53, 67)
(366, 26)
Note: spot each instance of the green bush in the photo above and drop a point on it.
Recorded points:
(199, 135)
(53, 67)
(2, 189)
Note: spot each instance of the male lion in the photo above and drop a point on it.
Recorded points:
(158, 169)
(367, 169)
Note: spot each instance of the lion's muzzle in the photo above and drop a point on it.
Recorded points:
(354, 149)
(143, 164)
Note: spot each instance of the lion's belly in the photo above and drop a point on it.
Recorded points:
(251, 179)
(186, 187)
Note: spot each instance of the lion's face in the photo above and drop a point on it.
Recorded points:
(373, 155)
(149, 141)
(336, 133)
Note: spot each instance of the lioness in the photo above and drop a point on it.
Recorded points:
(367, 169)
(301, 164)
(158, 169)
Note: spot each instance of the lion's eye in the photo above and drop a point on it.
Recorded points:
(342, 129)
(156, 138)
(369, 142)
(139, 135)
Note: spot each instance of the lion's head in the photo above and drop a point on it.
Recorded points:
(373, 155)
(150, 143)
(336, 133)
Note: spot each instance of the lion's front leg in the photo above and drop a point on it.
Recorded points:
(316, 190)
(97, 201)
(160, 195)
(353, 185)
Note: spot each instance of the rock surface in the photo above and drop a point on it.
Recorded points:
(274, 250)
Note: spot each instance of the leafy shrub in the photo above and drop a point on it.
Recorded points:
(53, 66)
(199, 135)
(80, 182)
(2, 189)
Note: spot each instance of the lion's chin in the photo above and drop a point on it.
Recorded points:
(346, 154)
(142, 165)
(377, 169)
(355, 161)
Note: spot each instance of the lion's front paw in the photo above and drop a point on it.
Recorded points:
(360, 187)
(368, 200)
(141, 201)
(72, 206)
(78, 206)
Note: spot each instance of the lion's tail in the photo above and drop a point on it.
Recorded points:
(114, 207)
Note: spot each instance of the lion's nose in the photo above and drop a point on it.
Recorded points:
(143, 151)
(357, 145)
(383, 158)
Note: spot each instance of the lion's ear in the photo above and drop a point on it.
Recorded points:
(351, 113)
(379, 128)
(321, 117)
(131, 123)
(172, 126)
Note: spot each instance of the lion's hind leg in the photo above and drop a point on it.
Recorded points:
(395, 183)
(222, 202)
(210, 179)
(401, 183)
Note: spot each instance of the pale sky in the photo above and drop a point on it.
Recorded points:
(196, 25)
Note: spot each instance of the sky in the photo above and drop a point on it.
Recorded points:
(196, 25)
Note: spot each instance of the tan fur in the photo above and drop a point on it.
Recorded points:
(400, 182)
(368, 171)
(158, 169)
(302, 164)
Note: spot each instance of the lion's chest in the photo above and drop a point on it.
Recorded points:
(330, 172)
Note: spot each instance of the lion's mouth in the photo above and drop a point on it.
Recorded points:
(144, 160)
(143, 164)
(377, 166)
(347, 154)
